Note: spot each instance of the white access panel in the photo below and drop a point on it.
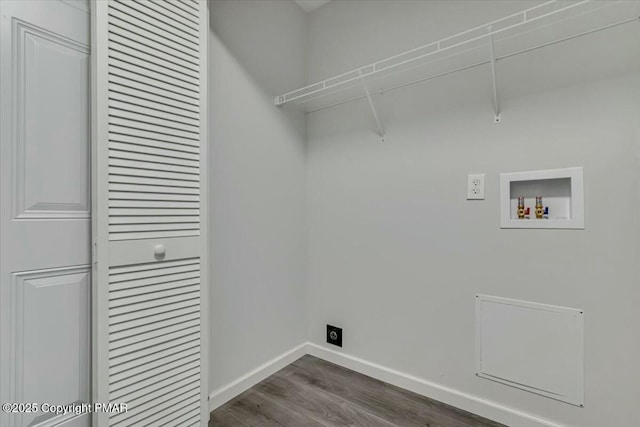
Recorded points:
(534, 347)
(150, 303)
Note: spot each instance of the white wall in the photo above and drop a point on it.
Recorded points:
(257, 184)
(396, 253)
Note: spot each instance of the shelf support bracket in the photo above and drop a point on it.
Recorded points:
(496, 102)
(373, 108)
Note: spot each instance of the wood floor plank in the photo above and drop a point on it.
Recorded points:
(380, 402)
(392, 403)
(257, 410)
(225, 418)
(318, 405)
(286, 371)
(316, 393)
(417, 402)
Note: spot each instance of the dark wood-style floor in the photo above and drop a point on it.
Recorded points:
(313, 392)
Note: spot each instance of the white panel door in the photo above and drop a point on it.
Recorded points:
(149, 122)
(45, 273)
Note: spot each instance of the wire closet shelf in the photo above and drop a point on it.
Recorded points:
(541, 26)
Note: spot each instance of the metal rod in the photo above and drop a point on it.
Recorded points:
(496, 104)
(373, 110)
(575, 36)
(499, 58)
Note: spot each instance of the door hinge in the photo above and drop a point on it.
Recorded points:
(94, 253)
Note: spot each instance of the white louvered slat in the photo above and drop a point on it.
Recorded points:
(161, 408)
(164, 310)
(182, 418)
(140, 131)
(154, 52)
(154, 235)
(160, 111)
(144, 399)
(149, 304)
(187, 8)
(161, 234)
(122, 195)
(136, 361)
(178, 19)
(152, 328)
(145, 282)
(135, 212)
(145, 87)
(121, 233)
(165, 204)
(193, 4)
(162, 123)
(122, 24)
(124, 171)
(147, 188)
(152, 190)
(152, 334)
(135, 121)
(161, 295)
(128, 272)
(151, 331)
(161, 74)
(152, 219)
(164, 67)
(152, 85)
(174, 7)
(126, 295)
(163, 18)
(153, 112)
(145, 379)
(141, 164)
(170, 31)
(125, 89)
(142, 378)
(121, 330)
(158, 380)
(137, 148)
(177, 351)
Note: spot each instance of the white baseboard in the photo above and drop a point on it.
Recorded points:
(468, 402)
(225, 393)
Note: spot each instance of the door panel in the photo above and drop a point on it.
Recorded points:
(52, 85)
(45, 272)
(50, 313)
(154, 332)
(148, 217)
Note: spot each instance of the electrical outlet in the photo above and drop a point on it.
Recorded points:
(475, 186)
(334, 335)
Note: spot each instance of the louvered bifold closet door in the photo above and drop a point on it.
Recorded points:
(149, 304)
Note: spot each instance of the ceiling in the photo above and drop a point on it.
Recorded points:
(311, 5)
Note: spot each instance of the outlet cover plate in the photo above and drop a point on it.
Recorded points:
(475, 186)
(334, 335)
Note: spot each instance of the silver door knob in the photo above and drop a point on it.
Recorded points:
(159, 252)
